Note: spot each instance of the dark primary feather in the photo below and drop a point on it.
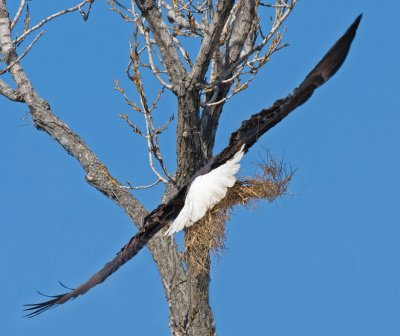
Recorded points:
(127, 252)
(253, 128)
(248, 133)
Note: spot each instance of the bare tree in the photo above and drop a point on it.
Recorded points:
(234, 42)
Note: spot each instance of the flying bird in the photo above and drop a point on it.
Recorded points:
(190, 203)
(206, 191)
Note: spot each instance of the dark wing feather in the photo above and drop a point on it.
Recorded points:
(38, 308)
(154, 222)
(333, 59)
(247, 134)
(252, 129)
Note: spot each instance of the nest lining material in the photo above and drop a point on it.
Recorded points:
(209, 233)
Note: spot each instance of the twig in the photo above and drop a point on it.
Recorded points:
(165, 43)
(23, 54)
(156, 72)
(183, 52)
(150, 149)
(234, 71)
(130, 187)
(151, 133)
(174, 15)
(284, 5)
(18, 14)
(124, 16)
(53, 16)
(277, 24)
(134, 127)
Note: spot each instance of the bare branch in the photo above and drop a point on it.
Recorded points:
(151, 133)
(280, 17)
(133, 126)
(238, 88)
(164, 40)
(253, 65)
(210, 40)
(183, 52)
(279, 4)
(131, 104)
(78, 7)
(18, 14)
(130, 15)
(121, 10)
(23, 54)
(10, 93)
(240, 31)
(130, 187)
(150, 149)
(154, 69)
(175, 16)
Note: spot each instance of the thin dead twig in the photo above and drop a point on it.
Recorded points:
(281, 15)
(131, 187)
(75, 8)
(120, 10)
(20, 57)
(18, 14)
(151, 132)
(243, 70)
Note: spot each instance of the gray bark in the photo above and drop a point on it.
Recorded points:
(240, 34)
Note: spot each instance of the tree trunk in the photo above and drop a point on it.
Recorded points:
(193, 312)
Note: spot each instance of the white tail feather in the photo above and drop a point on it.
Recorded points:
(206, 191)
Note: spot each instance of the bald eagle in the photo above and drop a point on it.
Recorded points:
(210, 186)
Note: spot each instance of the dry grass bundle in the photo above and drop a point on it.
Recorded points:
(209, 233)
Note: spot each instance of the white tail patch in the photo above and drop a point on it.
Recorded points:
(206, 191)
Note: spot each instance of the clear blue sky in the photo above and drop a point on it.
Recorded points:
(323, 261)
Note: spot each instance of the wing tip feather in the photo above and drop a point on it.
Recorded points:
(35, 309)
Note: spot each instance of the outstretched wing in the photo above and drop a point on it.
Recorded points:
(252, 129)
(127, 252)
(206, 191)
(247, 134)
